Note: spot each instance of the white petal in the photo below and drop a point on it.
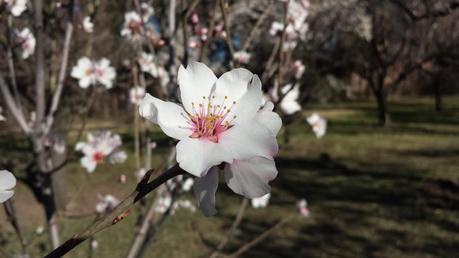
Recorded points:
(197, 156)
(249, 103)
(233, 84)
(85, 82)
(195, 82)
(88, 163)
(7, 180)
(250, 178)
(204, 189)
(169, 116)
(5, 195)
(270, 119)
(249, 140)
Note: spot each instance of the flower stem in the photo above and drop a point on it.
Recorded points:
(118, 213)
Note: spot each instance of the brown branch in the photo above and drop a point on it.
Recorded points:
(39, 62)
(232, 229)
(118, 213)
(257, 26)
(223, 9)
(60, 83)
(260, 238)
(13, 108)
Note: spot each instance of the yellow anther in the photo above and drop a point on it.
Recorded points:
(226, 97)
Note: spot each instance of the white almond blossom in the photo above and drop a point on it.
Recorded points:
(16, 7)
(302, 206)
(242, 57)
(261, 202)
(136, 95)
(2, 118)
(147, 64)
(106, 203)
(89, 72)
(289, 103)
(88, 26)
(26, 41)
(132, 26)
(318, 124)
(98, 147)
(7, 183)
(220, 126)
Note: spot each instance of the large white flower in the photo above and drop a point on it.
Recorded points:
(89, 72)
(88, 26)
(289, 102)
(98, 147)
(318, 124)
(16, 7)
(220, 122)
(136, 95)
(7, 183)
(26, 41)
(132, 26)
(147, 64)
(261, 202)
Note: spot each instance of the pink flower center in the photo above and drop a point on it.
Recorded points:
(98, 157)
(209, 120)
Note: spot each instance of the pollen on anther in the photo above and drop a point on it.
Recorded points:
(203, 97)
(226, 97)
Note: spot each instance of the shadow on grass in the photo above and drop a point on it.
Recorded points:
(388, 211)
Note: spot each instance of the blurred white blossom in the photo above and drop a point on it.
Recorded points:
(136, 95)
(147, 64)
(242, 57)
(89, 72)
(132, 26)
(302, 206)
(289, 102)
(16, 7)
(318, 124)
(146, 11)
(88, 26)
(106, 203)
(26, 41)
(98, 147)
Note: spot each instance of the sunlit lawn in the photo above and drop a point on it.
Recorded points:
(373, 192)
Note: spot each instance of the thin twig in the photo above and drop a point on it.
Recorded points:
(232, 229)
(39, 62)
(11, 214)
(60, 83)
(223, 9)
(260, 238)
(118, 213)
(257, 26)
(13, 108)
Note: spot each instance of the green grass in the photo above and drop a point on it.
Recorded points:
(373, 192)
